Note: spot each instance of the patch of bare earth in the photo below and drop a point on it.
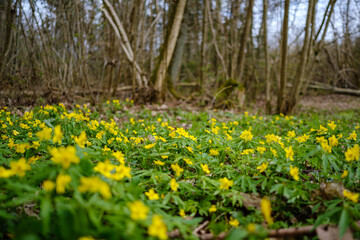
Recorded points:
(330, 102)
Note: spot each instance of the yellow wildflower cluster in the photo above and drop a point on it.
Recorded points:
(352, 154)
(95, 185)
(111, 171)
(138, 211)
(158, 228)
(225, 183)
(64, 156)
(18, 168)
(266, 210)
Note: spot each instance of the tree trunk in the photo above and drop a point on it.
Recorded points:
(177, 60)
(267, 64)
(10, 13)
(295, 91)
(283, 61)
(167, 52)
(235, 12)
(120, 33)
(203, 41)
(244, 38)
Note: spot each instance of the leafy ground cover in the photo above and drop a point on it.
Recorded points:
(115, 173)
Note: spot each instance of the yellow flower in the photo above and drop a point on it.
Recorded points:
(182, 213)
(212, 208)
(152, 195)
(246, 135)
(272, 138)
(326, 147)
(247, 151)
(33, 159)
(352, 196)
(158, 228)
(205, 168)
(266, 210)
(177, 169)
(322, 129)
(19, 167)
(345, 174)
(190, 149)
(332, 125)
(94, 185)
(251, 227)
(261, 150)
(58, 135)
(48, 185)
(119, 156)
(158, 162)
(321, 140)
(64, 156)
(150, 146)
(44, 134)
(164, 156)
(138, 211)
(35, 145)
(274, 152)
(262, 167)
(121, 172)
(104, 168)
(352, 154)
(291, 134)
(289, 153)
(294, 172)
(173, 184)
(188, 161)
(225, 183)
(86, 238)
(352, 136)
(234, 222)
(20, 148)
(333, 141)
(81, 139)
(214, 152)
(61, 182)
(5, 173)
(303, 138)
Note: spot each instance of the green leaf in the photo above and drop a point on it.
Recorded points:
(45, 214)
(327, 215)
(166, 199)
(344, 221)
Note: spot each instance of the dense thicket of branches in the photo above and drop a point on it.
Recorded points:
(71, 48)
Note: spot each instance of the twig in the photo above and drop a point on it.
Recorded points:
(289, 232)
(201, 226)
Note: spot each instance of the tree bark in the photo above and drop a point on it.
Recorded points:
(202, 50)
(120, 33)
(10, 13)
(295, 91)
(177, 60)
(283, 60)
(267, 64)
(244, 38)
(167, 52)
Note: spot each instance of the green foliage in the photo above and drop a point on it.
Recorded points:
(127, 168)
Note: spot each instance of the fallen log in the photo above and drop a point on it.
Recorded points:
(326, 87)
(347, 91)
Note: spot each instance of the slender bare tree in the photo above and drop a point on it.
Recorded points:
(167, 51)
(283, 60)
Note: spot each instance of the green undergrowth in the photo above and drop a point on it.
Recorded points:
(120, 172)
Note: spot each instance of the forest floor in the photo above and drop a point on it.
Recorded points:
(123, 171)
